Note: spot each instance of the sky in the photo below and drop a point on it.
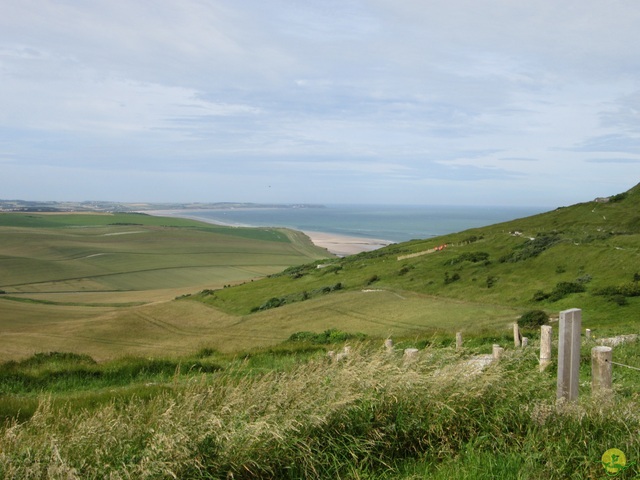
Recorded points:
(456, 102)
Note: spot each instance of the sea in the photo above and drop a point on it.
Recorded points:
(382, 222)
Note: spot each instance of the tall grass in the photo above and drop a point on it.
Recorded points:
(371, 416)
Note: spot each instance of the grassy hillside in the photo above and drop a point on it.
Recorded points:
(84, 283)
(585, 256)
(197, 402)
(371, 416)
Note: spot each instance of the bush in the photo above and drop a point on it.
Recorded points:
(450, 279)
(532, 248)
(533, 319)
(617, 198)
(631, 289)
(561, 290)
(473, 257)
(619, 300)
(327, 337)
(372, 279)
(405, 269)
(539, 296)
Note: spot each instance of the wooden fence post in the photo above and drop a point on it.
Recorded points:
(545, 346)
(601, 367)
(569, 354)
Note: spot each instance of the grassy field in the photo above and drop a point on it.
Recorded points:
(103, 283)
(85, 283)
(132, 356)
(288, 412)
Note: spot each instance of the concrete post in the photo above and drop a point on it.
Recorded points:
(388, 344)
(410, 354)
(601, 367)
(525, 342)
(497, 352)
(458, 340)
(569, 354)
(587, 333)
(545, 346)
(516, 335)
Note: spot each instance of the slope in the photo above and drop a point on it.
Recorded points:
(586, 256)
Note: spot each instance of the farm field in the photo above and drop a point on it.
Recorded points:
(103, 283)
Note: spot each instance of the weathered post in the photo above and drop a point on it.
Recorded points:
(545, 346)
(458, 340)
(497, 352)
(388, 344)
(569, 354)
(587, 333)
(516, 335)
(525, 342)
(601, 367)
(410, 354)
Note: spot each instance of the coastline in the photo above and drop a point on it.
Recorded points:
(340, 245)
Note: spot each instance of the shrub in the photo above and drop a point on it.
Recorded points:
(617, 198)
(331, 335)
(450, 279)
(273, 302)
(372, 279)
(533, 319)
(471, 239)
(473, 257)
(405, 269)
(562, 289)
(631, 289)
(532, 248)
(619, 300)
(540, 296)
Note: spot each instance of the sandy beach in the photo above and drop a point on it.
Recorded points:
(341, 245)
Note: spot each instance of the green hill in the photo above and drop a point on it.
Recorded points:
(104, 285)
(288, 411)
(585, 256)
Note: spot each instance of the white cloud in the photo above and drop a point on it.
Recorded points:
(399, 92)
